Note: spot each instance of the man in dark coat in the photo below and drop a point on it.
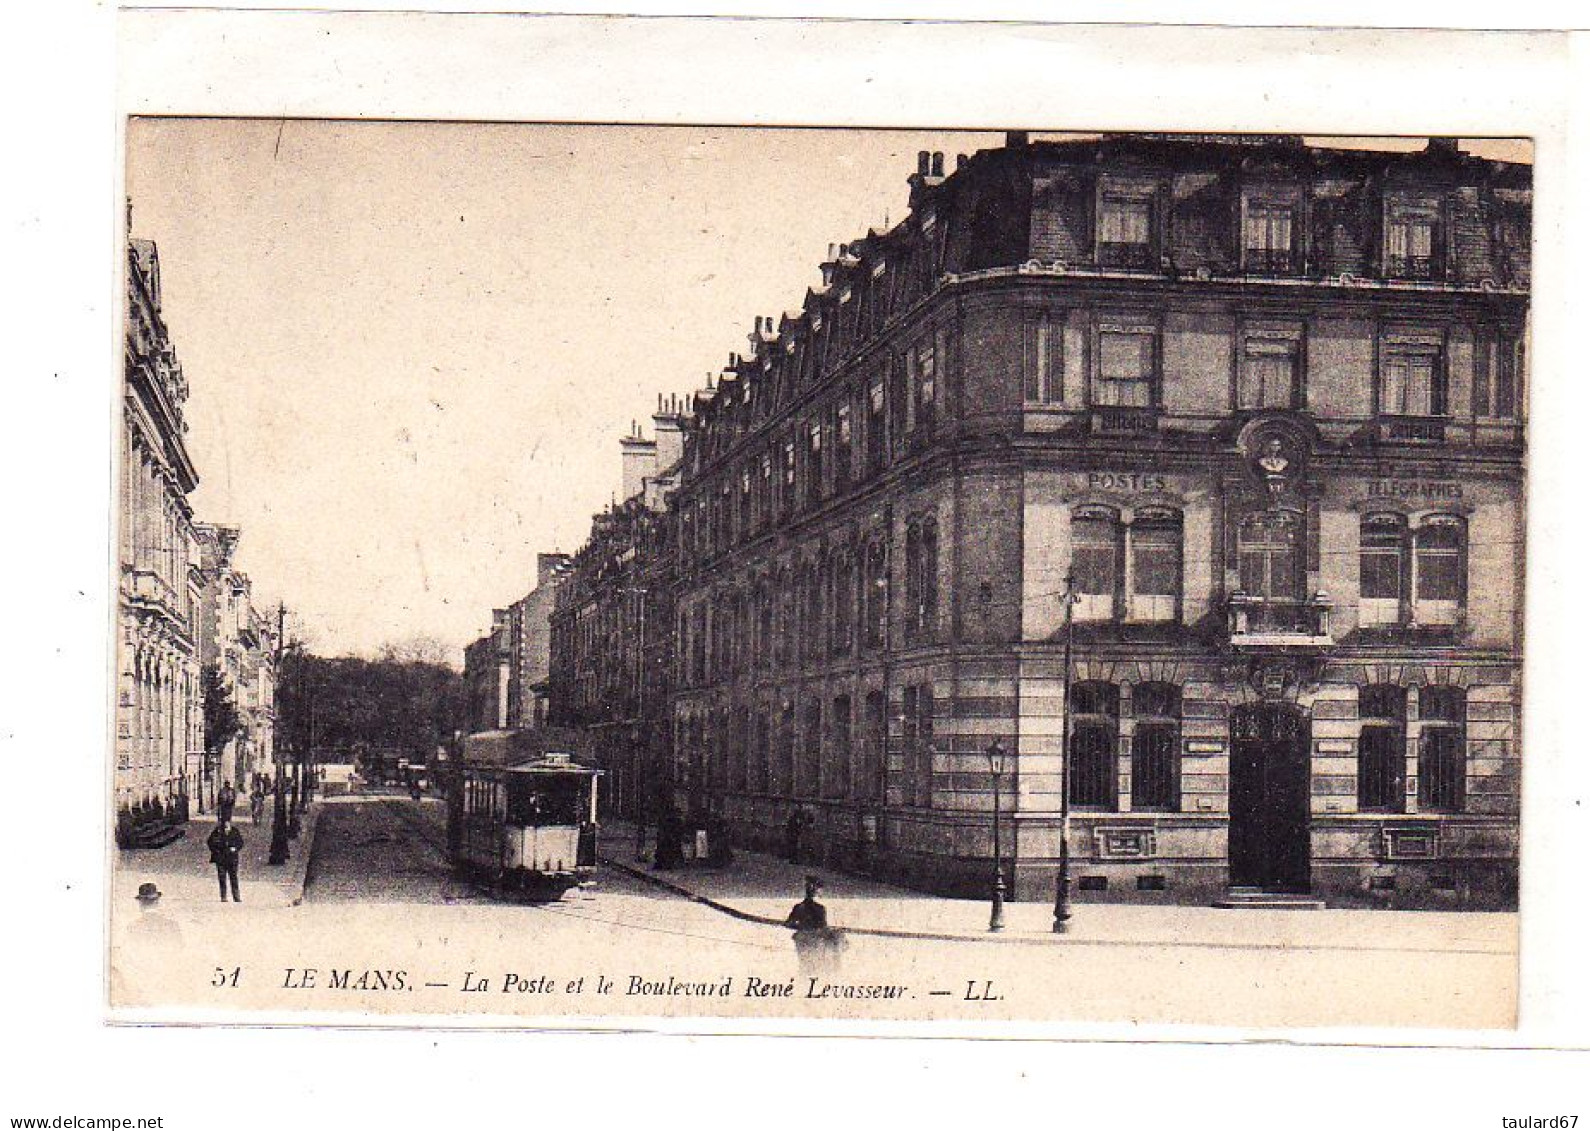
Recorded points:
(226, 848)
(225, 801)
(817, 946)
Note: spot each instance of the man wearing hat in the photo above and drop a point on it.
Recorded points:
(817, 946)
(226, 847)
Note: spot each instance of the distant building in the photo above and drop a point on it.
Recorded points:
(530, 644)
(159, 724)
(613, 625)
(486, 677)
(240, 641)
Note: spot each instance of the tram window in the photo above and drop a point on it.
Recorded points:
(555, 801)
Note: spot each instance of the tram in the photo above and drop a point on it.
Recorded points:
(523, 822)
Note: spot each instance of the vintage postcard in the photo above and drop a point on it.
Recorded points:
(592, 573)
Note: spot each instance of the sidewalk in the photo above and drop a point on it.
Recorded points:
(184, 874)
(762, 888)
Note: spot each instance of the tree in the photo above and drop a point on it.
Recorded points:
(221, 721)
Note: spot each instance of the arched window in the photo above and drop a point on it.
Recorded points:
(1382, 749)
(1382, 573)
(1156, 744)
(1095, 562)
(1155, 540)
(1095, 724)
(1442, 712)
(1439, 570)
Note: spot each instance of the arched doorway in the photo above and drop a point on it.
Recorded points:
(1268, 836)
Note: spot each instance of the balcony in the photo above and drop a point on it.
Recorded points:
(1116, 420)
(1264, 624)
(149, 588)
(1414, 429)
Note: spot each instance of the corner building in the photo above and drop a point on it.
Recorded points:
(1262, 401)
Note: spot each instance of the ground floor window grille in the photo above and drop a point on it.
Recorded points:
(1156, 745)
(1090, 771)
(1382, 748)
(1441, 749)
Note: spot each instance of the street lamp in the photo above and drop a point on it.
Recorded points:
(996, 769)
(1062, 882)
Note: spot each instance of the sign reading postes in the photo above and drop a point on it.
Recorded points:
(1126, 481)
(1414, 489)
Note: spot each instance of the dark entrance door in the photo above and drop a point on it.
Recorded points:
(1269, 797)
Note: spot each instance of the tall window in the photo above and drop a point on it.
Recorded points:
(1382, 749)
(874, 595)
(787, 478)
(814, 463)
(836, 771)
(843, 602)
(1126, 229)
(1270, 555)
(1267, 236)
(1497, 365)
(1441, 748)
(765, 489)
(1045, 366)
(921, 579)
(1412, 378)
(809, 767)
(922, 387)
(1155, 539)
(1382, 550)
(1156, 743)
(1412, 240)
(1126, 366)
(759, 753)
(876, 749)
(877, 449)
(916, 721)
(1269, 372)
(1439, 568)
(1095, 562)
(784, 753)
(811, 612)
(1095, 723)
(842, 448)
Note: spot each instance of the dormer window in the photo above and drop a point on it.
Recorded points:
(1412, 240)
(1267, 236)
(1126, 227)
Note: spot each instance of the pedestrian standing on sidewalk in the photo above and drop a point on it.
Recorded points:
(256, 801)
(226, 848)
(817, 945)
(225, 802)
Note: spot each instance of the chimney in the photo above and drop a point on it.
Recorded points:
(549, 565)
(924, 162)
(669, 446)
(1015, 139)
(1443, 145)
(639, 457)
(938, 165)
(960, 161)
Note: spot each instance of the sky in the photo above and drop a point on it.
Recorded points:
(412, 347)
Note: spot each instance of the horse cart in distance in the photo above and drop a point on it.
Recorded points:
(524, 824)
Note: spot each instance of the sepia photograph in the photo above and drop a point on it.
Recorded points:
(607, 571)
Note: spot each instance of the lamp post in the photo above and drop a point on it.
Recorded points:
(1062, 883)
(996, 769)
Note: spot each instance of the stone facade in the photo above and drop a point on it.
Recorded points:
(241, 642)
(1235, 422)
(159, 724)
